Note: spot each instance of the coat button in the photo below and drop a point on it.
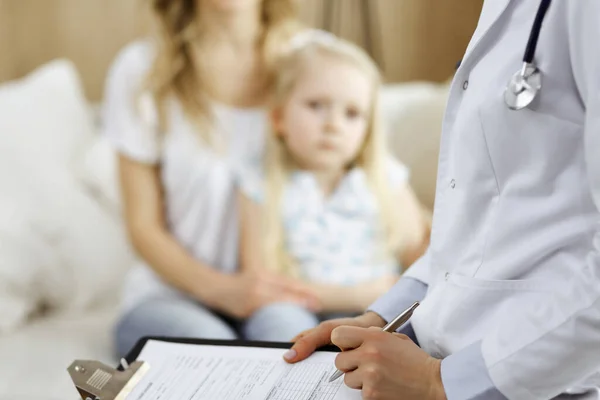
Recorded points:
(452, 183)
(446, 276)
(465, 85)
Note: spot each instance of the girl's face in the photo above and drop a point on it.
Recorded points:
(324, 121)
(230, 5)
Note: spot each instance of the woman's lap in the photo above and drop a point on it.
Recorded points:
(180, 317)
(173, 317)
(278, 322)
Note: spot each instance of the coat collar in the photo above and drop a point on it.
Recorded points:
(491, 12)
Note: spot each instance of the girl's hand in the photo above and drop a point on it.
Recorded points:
(246, 292)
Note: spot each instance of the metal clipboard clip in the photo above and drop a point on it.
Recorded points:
(96, 381)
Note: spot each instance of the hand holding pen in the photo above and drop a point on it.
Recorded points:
(391, 327)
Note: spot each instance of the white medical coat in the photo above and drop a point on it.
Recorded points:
(514, 261)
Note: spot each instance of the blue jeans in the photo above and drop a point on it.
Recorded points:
(181, 317)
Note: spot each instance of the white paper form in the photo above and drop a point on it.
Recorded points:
(181, 371)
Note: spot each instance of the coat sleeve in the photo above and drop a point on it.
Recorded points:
(410, 288)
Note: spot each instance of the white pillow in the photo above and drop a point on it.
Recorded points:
(91, 245)
(59, 247)
(98, 173)
(44, 116)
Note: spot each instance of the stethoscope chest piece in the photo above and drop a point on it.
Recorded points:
(523, 87)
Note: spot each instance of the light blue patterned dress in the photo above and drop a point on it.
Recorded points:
(337, 239)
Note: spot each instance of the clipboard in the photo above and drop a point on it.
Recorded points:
(97, 381)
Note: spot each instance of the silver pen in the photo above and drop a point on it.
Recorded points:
(393, 326)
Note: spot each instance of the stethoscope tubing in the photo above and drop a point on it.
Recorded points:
(535, 31)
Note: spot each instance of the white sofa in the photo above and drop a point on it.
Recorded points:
(63, 249)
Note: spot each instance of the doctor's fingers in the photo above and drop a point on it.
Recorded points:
(368, 379)
(351, 337)
(353, 379)
(308, 341)
(348, 361)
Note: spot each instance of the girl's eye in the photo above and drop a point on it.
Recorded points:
(352, 113)
(315, 104)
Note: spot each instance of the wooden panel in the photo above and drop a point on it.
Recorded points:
(6, 60)
(425, 38)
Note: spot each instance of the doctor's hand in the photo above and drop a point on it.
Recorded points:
(308, 341)
(386, 365)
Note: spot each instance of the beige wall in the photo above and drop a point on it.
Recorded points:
(89, 32)
(422, 39)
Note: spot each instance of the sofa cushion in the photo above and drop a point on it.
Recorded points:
(61, 250)
(412, 115)
(24, 255)
(35, 358)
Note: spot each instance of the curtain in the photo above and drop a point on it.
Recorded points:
(409, 39)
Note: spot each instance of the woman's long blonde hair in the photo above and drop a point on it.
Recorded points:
(174, 72)
(372, 158)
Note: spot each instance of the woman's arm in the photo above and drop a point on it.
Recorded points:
(238, 295)
(145, 219)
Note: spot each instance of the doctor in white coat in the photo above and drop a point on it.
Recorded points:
(510, 287)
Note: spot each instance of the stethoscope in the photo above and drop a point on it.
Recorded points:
(526, 83)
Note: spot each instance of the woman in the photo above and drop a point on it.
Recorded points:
(184, 111)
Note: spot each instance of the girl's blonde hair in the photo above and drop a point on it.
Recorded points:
(174, 71)
(372, 158)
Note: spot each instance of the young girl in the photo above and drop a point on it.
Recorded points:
(330, 207)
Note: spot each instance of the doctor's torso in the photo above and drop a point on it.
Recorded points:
(514, 217)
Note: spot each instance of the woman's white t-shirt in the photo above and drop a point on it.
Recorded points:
(198, 181)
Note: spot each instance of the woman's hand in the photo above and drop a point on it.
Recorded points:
(308, 341)
(246, 292)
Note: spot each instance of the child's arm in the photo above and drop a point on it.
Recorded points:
(331, 298)
(415, 222)
(276, 288)
(352, 299)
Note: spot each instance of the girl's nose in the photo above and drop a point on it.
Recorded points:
(333, 122)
